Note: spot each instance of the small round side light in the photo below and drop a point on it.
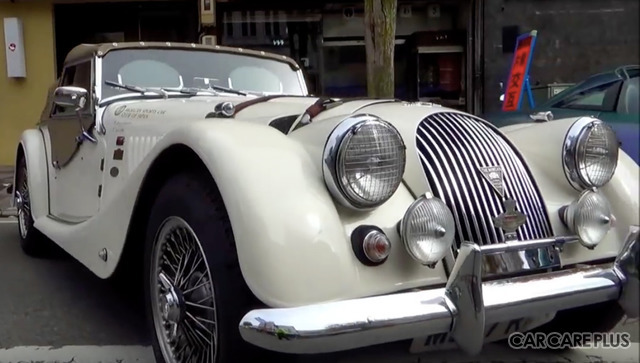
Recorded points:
(370, 245)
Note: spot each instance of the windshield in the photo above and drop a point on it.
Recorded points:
(599, 98)
(591, 82)
(176, 68)
(595, 83)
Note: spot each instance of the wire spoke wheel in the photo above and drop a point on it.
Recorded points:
(23, 204)
(182, 296)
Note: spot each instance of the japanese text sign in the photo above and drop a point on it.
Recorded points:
(519, 71)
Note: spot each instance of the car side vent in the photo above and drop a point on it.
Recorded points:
(284, 123)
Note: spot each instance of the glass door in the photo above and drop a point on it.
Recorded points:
(441, 75)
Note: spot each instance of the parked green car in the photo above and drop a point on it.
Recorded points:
(611, 96)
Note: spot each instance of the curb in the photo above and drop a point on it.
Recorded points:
(9, 212)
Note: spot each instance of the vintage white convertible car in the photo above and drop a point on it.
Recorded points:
(266, 221)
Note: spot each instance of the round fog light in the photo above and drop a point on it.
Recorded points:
(589, 217)
(428, 230)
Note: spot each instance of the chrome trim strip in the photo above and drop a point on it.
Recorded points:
(572, 139)
(459, 189)
(331, 154)
(464, 290)
(463, 308)
(526, 245)
(303, 83)
(626, 267)
(506, 153)
(97, 95)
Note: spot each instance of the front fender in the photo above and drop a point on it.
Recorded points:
(292, 240)
(32, 144)
(541, 146)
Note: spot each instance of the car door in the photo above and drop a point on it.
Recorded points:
(74, 162)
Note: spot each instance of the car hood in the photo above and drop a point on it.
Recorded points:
(180, 110)
(163, 115)
(502, 119)
(405, 116)
(176, 111)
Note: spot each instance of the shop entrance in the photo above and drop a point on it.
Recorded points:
(167, 21)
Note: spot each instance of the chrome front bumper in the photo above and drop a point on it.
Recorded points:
(462, 308)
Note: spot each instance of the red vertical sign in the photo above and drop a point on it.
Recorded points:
(519, 72)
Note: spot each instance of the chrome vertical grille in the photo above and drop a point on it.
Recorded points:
(452, 147)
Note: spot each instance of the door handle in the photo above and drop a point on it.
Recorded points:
(85, 136)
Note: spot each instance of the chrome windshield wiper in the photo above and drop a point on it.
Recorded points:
(192, 91)
(163, 91)
(133, 88)
(228, 90)
(213, 90)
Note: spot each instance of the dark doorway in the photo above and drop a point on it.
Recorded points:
(170, 21)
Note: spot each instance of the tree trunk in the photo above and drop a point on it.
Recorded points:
(379, 36)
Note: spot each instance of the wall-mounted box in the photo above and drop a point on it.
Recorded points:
(14, 48)
(209, 40)
(207, 12)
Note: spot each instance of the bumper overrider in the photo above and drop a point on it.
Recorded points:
(462, 308)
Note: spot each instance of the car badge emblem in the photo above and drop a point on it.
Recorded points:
(494, 175)
(510, 220)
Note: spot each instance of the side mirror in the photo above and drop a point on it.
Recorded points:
(542, 116)
(70, 96)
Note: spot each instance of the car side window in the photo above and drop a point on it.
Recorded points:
(600, 98)
(78, 75)
(628, 101)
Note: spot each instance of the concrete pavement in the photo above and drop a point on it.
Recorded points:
(55, 310)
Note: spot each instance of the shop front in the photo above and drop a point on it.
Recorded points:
(434, 43)
(281, 29)
(48, 29)
(431, 52)
(436, 55)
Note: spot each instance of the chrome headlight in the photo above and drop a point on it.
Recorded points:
(589, 217)
(364, 161)
(590, 153)
(427, 230)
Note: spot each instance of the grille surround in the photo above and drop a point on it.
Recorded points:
(452, 147)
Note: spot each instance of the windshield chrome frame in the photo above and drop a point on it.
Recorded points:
(97, 94)
(99, 84)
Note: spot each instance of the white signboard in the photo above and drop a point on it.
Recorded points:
(14, 48)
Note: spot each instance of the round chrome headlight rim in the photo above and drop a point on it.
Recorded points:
(573, 140)
(334, 151)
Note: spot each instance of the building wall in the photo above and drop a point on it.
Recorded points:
(576, 38)
(21, 100)
(345, 66)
